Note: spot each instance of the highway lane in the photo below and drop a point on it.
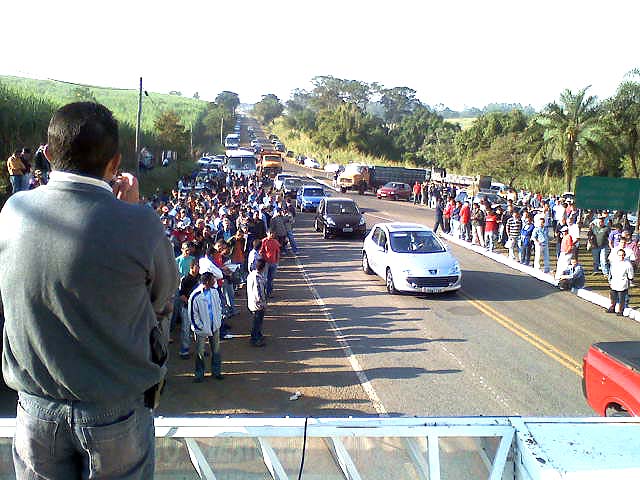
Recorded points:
(507, 344)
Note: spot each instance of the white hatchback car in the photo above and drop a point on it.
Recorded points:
(410, 258)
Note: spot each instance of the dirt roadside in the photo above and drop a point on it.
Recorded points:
(302, 355)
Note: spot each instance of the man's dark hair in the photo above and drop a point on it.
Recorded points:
(206, 277)
(82, 138)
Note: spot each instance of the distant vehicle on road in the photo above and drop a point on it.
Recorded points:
(309, 197)
(339, 216)
(394, 191)
(291, 185)
(311, 163)
(240, 162)
(232, 141)
(410, 258)
(277, 183)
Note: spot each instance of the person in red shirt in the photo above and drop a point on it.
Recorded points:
(270, 252)
(417, 189)
(465, 222)
(490, 229)
(448, 210)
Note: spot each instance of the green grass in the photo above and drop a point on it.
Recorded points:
(123, 103)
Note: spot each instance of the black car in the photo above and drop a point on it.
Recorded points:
(339, 216)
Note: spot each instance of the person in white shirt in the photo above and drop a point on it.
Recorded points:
(630, 256)
(620, 276)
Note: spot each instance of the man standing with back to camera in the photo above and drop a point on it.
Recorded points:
(79, 319)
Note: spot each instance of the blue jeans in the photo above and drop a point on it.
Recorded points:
(292, 242)
(216, 358)
(70, 439)
(256, 329)
(16, 183)
(185, 331)
(272, 268)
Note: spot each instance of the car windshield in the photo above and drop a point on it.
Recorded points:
(342, 208)
(292, 182)
(313, 192)
(242, 163)
(415, 242)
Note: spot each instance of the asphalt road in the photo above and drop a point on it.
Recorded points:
(506, 344)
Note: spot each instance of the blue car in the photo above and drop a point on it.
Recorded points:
(309, 197)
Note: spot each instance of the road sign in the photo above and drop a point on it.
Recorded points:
(606, 193)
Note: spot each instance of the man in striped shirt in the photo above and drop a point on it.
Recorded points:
(514, 227)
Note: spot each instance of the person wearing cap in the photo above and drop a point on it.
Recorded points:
(205, 315)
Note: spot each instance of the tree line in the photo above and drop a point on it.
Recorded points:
(576, 135)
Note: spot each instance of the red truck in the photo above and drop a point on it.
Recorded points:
(611, 378)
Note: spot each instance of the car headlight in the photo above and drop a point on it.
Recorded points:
(362, 221)
(331, 222)
(455, 269)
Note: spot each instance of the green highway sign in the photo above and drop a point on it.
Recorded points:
(606, 193)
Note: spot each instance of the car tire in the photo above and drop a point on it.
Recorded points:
(616, 411)
(316, 225)
(325, 232)
(394, 198)
(365, 264)
(391, 288)
(343, 190)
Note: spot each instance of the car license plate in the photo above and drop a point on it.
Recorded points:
(347, 230)
(430, 290)
(383, 194)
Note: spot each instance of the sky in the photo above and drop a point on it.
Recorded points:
(460, 53)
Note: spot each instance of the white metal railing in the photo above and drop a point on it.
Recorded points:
(360, 448)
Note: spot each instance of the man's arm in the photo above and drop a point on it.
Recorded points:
(165, 279)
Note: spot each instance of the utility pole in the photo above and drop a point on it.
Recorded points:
(221, 125)
(191, 142)
(139, 117)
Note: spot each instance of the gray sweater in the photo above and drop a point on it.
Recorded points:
(81, 277)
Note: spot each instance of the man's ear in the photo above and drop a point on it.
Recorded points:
(113, 166)
(47, 152)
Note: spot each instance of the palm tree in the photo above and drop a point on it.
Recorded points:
(623, 118)
(570, 128)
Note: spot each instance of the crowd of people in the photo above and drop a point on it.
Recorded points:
(531, 225)
(228, 235)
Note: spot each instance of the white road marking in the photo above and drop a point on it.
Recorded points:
(355, 364)
(386, 219)
(481, 381)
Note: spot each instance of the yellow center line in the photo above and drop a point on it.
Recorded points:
(545, 347)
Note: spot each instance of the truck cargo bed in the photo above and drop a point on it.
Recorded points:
(627, 353)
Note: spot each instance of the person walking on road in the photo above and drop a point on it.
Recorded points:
(82, 342)
(257, 301)
(439, 215)
(205, 314)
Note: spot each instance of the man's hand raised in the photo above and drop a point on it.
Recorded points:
(126, 188)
